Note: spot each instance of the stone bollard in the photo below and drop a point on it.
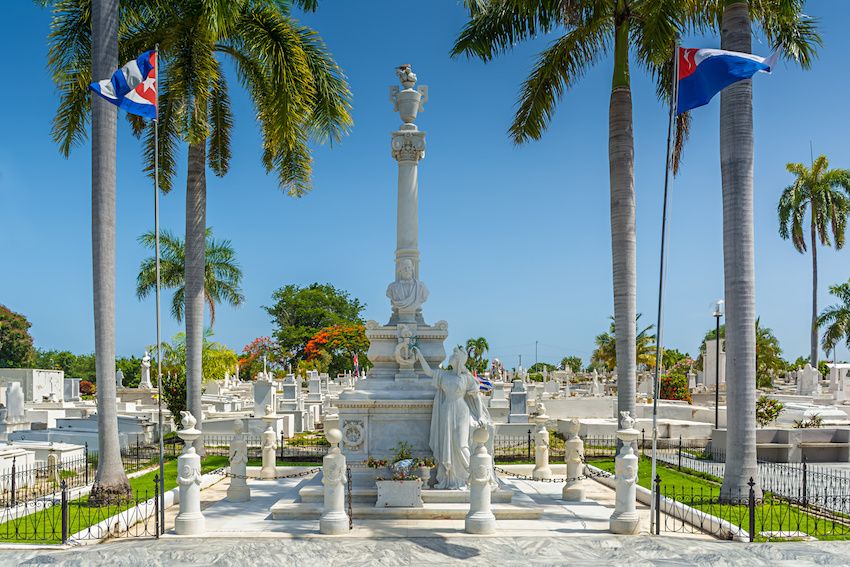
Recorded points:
(334, 520)
(480, 519)
(189, 520)
(238, 491)
(574, 457)
(541, 449)
(625, 519)
(269, 445)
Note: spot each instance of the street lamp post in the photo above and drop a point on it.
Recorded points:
(718, 313)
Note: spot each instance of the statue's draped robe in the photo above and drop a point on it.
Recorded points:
(450, 427)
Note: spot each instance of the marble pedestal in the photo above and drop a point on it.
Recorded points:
(389, 406)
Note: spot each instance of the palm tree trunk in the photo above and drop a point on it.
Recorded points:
(621, 171)
(814, 354)
(736, 166)
(196, 227)
(110, 482)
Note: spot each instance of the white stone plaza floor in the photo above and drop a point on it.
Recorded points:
(566, 534)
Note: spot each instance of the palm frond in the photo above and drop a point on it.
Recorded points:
(221, 120)
(557, 69)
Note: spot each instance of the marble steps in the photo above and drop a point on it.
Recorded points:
(313, 493)
(286, 509)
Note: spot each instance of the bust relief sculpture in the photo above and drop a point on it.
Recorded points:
(406, 293)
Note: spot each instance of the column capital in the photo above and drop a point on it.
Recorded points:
(408, 145)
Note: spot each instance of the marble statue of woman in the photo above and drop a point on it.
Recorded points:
(406, 293)
(457, 411)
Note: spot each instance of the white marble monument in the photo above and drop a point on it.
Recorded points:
(625, 519)
(190, 520)
(145, 381)
(334, 519)
(480, 519)
(238, 491)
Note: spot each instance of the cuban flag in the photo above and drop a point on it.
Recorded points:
(483, 383)
(133, 86)
(705, 72)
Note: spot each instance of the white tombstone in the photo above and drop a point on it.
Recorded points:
(708, 362)
(595, 386)
(72, 389)
(145, 382)
(519, 403)
(269, 445)
(190, 520)
(808, 381)
(119, 378)
(334, 520)
(839, 381)
(552, 388)
(480, 519)
(541, 450)
(692, 380)
(625, 519)
(14, 403)
(574, 456)
(264, 396)
(314, 388)
(238, 491)
(498, 399)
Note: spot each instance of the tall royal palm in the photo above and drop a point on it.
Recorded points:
(84, 44)
(824, 193)
(590, 29)
(222, 274)
(785, 25)
(299, 94)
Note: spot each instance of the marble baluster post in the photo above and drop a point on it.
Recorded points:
(189, 520)
(541, 450)
(238, 491)
(480, 519)
(625, 519)
(334, 519)
(574, 456)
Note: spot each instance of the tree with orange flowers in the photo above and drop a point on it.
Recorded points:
(336, 345)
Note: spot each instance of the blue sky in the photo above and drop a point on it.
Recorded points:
(515, 241)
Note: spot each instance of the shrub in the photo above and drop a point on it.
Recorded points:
(87, 388)
(767, 410)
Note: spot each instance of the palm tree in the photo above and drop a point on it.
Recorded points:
(298, 91)
(476, 348)
(221, 278)
(836, 318)
(823, 191)
(769, 360)
(91, 26)
(784, 25)
(590, 28)
(606, 346)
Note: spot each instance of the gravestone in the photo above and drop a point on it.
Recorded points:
(552, 388)
(314, 388)
(14, 403)
(808, 381)
(145, 381)
(291, 390)
(72, 389)
(708, 362)
(519, 403)
(498, 399)
(264, 395)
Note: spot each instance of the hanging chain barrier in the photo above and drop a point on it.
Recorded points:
(348, 486)
(224, 472)
(588, 474)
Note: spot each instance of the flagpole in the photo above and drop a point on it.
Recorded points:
(158, 287)
(659, 342)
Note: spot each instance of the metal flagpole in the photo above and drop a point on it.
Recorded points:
(158, 286)
(659, 342)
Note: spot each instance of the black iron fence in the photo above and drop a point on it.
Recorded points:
(747, 517)
(307, 448)
(63, 518)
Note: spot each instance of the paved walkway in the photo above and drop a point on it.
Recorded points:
(502, 550)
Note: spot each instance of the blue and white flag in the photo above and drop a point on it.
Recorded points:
(132, 87)
(705, 72)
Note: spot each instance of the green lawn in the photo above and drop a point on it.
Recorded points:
(46, 526)
(701, 491)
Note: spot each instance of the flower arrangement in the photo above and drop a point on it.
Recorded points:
(405, 475)
(403, 451)
(373, 463)
(426, 462)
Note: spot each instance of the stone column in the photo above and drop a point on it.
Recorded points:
(408, 147)
(480, 519)
(190, 520)
(238, 491)
(334, 520)
(574, 456)
(541, 450)
(269, 445)
(625, 519)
